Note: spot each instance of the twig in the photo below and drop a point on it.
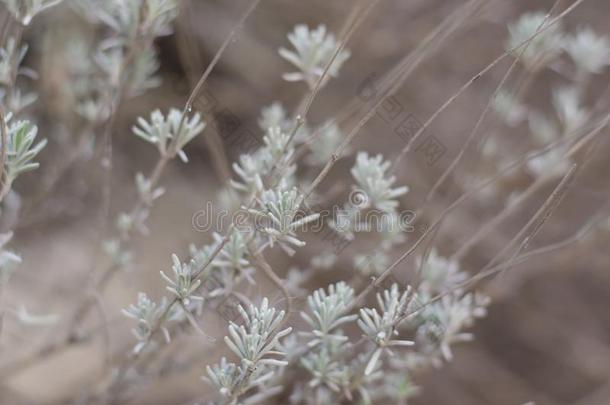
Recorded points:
(544, 212)
(493, 223)
(511, 166)
(189, 102)
(5, 184)
(403, 70)
(419, 133)
(471, 137)
(187, 51)
(275, 279)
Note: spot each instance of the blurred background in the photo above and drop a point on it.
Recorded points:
(546, 338)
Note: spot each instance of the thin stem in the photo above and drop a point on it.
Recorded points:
(462, 89)
(189, 102)
(493, 223)
(534, 187)
(163, 161)
(403, 71)
(191, 319)
(475, 130)
(187, 51)
(4, 181)
(350, 26)
(107, 275)
(161, 320)
(275, 279)
(537, 221)
(543, 214)
(510, 167)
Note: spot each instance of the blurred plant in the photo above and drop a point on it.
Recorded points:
(399, 387)
(124, 61)
(438, 274)
(255, 168)
(11, 58)
(133, 18)
(8, 259)
(170, 134)
(441, 323)
(590, 52)
(233, 258)
(27, 318)
(313, 51)
(326, 143)
(550, 164)
(325, 371)
(249, 169)
(390, 230)
(146, 313)
(25, 10)
(371, 178)
(509, 108)
(544, 46)
(274, 115)
(572, 115)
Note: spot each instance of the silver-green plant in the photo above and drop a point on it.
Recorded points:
(533, 42)
(8, 259)
(11, 69)
(254, 342)
(328, 312)
(589, 51)
(313, 51)
(347, 347)
(183, 284)
(169, 133)
(439, 274)
(24, 10)
(325, 144)
(278, 215)
(371, 178)
(442, 323)
(381, 327)
(21, 150)
(146, 313)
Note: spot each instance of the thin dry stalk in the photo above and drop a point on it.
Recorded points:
(408, 65)
(190, 56)
(262, 264)
(4, 184)
(469, 193)
(462, 89)
(544, 213)
(493, 223)
(471, 137)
